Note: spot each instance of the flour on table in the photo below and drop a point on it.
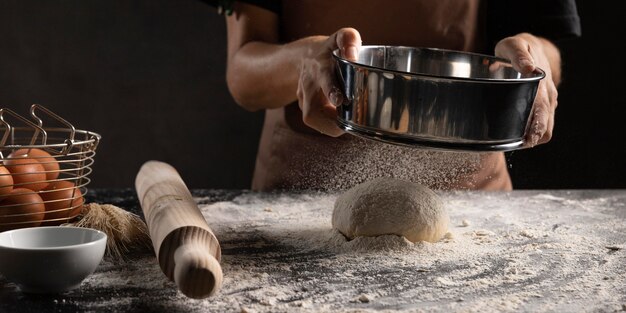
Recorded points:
(521, 252)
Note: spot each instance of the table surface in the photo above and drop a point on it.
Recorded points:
(541, 250)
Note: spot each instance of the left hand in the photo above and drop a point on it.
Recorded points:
(526, 53)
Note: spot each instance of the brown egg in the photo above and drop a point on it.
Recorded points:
(59, 196)
(21, 201)
(27, 173)
(49, 163)
(6, 182)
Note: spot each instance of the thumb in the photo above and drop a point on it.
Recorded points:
(517, 50)
(348, 41)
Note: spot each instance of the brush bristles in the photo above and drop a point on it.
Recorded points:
(126, 231)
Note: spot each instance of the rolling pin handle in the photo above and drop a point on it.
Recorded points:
(196, 272)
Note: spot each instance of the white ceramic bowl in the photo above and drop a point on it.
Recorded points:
(50, 259)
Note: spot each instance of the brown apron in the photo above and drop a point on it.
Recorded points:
(294, 156)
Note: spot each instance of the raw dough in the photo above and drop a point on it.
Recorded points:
(391, 206)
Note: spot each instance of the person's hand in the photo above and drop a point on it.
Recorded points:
(318, 89)
(526, 53)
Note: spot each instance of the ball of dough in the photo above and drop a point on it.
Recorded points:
(386, 206)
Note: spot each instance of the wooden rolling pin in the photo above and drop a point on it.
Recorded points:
(186, 248)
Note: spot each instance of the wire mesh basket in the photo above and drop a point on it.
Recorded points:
(45, 167)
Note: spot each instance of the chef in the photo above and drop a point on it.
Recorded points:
(279, 60)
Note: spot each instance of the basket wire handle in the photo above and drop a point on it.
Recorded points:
(11, 130)
(35, 107)
(5, 136)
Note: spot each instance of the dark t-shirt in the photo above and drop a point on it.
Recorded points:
(555, 20)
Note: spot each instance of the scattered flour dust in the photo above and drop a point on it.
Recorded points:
(522, 251)
(332, 164)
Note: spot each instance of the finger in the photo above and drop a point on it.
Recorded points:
(547, 136)
(321, 118)
(300, 90)
(317, 112)
(518, 51)
(329, 84)
(348, 41)
(540, 118)
(327, 116)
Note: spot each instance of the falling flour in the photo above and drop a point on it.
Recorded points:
(343, 164)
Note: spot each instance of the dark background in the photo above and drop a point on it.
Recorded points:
(148, 75)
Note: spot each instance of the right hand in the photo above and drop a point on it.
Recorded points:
(319, 92)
